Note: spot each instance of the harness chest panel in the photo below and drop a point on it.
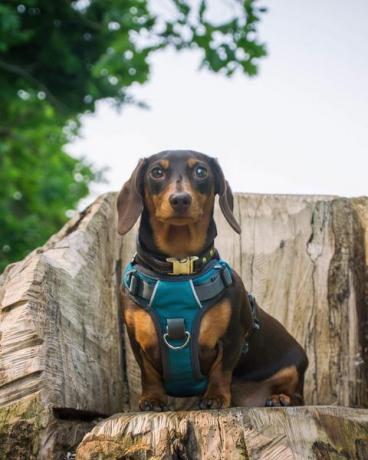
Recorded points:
(177, 305)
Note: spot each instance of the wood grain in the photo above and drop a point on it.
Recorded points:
(305, 259)
(62, 344)
(60, 328)
(260, 434)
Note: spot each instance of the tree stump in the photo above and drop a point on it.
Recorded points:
(262, 434)
(64, 359)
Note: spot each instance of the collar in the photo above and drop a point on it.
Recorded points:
(174, 265)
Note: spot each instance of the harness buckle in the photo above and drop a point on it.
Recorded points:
(183, 266)
(257, 324)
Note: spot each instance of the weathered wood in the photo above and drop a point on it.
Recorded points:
(239, 433)
(29, 431)
(60, 326)
(305, 258)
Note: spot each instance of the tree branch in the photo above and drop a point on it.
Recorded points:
(27, 76)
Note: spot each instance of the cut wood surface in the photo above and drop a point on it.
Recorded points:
(61, 337)
(263, 434)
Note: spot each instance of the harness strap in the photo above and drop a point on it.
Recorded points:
(176, 328)
(256, 323)
(141, 288)
(216, 285)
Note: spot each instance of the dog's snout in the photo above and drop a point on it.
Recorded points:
(180, 202)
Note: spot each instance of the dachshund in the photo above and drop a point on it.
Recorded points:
(245, 356)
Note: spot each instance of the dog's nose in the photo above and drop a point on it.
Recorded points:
(180, 201)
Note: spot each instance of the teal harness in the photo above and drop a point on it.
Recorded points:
(177, 305)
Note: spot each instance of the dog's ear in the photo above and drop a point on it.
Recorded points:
(226, 199)
(130, 200)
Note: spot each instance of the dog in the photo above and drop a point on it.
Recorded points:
(226, 349)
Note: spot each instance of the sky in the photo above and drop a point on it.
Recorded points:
(299, 127)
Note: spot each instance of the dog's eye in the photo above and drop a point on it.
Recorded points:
(157, 173)
(201, 172)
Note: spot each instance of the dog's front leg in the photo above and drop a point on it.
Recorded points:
(218, 394)
(144, 343)
(153, 396)
(218, 355)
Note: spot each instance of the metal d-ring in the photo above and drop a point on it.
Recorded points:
(180, 347)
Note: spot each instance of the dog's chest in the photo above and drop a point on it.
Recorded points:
(181, 311)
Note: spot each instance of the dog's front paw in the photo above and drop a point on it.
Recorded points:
(278, 401)
(214, 402)
(152, 404)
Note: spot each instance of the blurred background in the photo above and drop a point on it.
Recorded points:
(276, 90)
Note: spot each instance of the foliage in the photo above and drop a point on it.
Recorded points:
(57, 59)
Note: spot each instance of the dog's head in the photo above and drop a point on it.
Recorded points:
(177, 188)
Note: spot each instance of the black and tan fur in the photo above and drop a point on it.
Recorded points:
(272, 372)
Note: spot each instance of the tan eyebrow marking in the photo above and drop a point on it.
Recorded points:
(164, 164)
(192, 162)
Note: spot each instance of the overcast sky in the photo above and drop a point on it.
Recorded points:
(300, 126)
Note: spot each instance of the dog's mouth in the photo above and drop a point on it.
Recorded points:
(178, 220)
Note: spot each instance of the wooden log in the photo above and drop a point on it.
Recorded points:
(60, 326)
(239, 433)
(305, 259)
